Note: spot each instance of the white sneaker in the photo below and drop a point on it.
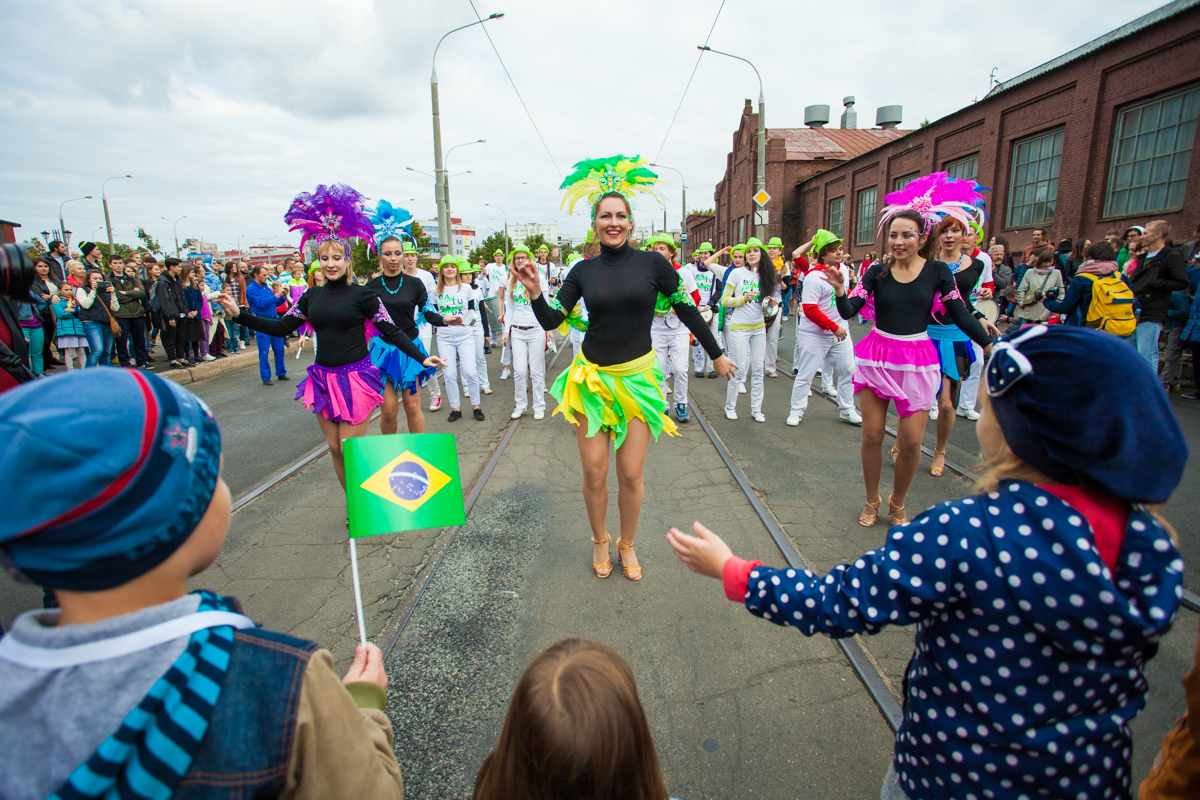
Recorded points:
(466, 392)
(829, 391)
(517, 413)
(504, 373)
(730, 413)
(972, 415)
(487, 390)
(741, 388)
(933, 414)
(852, 416)
(810, 392)
(759, 417)
(794, 420)
(666, 390)
(210, 358)
(539, 415)
(435, 404)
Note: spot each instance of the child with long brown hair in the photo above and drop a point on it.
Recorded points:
(575, 730)
(1037, 600)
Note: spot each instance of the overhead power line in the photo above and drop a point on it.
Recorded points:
(689, 83)
(518, 91)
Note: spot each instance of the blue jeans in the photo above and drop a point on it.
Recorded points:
(232, 342)
(100, 343)
(1146, 337)
(274, 343)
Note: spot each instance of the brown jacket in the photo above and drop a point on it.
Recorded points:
(1176, 772)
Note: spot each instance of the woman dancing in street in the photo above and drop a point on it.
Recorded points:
(525, 337)
(750, 294)
(896, 362)
(458, 300)
(614, 381)
(343, 386)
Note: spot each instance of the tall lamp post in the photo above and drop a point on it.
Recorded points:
(439, 187)
(501, 210)
(104, 201)
(175, 227)
(62, 228)
(683, 218)
(760, 230)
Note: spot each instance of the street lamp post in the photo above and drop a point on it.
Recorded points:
(683, 218)
(175, 227)
(439, 187)
(62, 228)
(501, 210)
(760, 230)
(104, 201)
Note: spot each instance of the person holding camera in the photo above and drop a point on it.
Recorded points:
(1042, 278)
(97, 317)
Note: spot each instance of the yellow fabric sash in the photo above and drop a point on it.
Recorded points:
(584, 372)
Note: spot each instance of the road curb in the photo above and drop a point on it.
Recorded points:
(211, 369)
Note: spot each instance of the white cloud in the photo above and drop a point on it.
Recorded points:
(224, 110)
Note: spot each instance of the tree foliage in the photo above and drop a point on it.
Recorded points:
(536, 241)
(148, 242)
(36, 247)
(123, 250)
(497, 241)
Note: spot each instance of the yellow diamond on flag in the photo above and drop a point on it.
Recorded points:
(407, 480)
(762, 198)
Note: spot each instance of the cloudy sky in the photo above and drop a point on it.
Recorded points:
(222, 110)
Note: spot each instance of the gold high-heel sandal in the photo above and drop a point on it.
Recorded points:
(895, 451)
(896, 512)
(605, 566)
(867, 520)
(633, 573)
(937, 471)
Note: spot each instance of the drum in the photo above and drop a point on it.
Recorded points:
(707, 315)
(989, 309)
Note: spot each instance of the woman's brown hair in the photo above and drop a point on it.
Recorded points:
(628, 208)
(912, 216)
(575, 730)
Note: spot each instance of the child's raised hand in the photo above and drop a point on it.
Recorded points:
(367, 666)
(705, 553)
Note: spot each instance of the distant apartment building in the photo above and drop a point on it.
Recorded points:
(462, 237)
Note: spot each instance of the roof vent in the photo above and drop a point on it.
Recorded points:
(888, 117)
(816, 116)
(849, 115)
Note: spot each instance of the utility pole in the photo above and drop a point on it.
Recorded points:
(760, 182)
(104, 201)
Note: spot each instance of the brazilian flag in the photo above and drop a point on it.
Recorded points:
(402, 482)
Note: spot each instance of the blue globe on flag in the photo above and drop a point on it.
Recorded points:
(408, 480)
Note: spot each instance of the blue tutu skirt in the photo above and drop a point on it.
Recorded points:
(397, 368)
(955, 353)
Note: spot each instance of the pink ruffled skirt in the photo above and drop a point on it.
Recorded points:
(342, 394)
(904, 369)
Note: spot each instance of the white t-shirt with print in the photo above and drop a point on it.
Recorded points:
(517, 308)
(817, 291)
(705, 281)
(750, 313)
(455, 302)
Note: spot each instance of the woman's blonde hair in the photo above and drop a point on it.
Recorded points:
(329, 244)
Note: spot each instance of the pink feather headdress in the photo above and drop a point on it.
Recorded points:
(331, 212)
(935, 197)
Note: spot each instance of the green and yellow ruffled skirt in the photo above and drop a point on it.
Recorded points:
(608, 397)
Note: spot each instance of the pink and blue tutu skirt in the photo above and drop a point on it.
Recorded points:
(342, 394)
(398, 369)
(903, 369)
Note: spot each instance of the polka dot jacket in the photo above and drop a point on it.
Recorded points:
(1029, 652)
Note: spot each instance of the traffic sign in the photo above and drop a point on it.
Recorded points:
(762, 198)
(683, 237)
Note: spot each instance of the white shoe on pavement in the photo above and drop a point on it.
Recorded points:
(504, 373)
(210, 358)
(741, 388)
(759, 417)
(794, 420)
(666, 389)
(466, 393)
(730, 413)
(435, 404)
(933, 414)
(852, 416)
(517, 413)
(487, 390)
(539, 415)
(972, 415)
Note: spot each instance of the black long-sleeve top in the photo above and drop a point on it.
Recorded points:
(903, 309)
(409, 298)
(338, 313)
(965, 279)
(620, 287)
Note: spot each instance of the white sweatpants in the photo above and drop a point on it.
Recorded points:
(747, 349)
(813, 351)
(480, 359)
(969, 391)
(529, 360)
(703, 362)
(426, 334)
(457, 350)
(576, 339)
(671, 350)
(772, 354)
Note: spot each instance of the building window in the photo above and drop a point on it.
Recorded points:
(1033, 187)
(904, 180)
(964, 169)
(1152, 151)
(864, 221)
(836, 216)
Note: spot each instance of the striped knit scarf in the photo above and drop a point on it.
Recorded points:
(153, 748)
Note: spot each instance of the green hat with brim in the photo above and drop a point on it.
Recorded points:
(520, 249)
(543, 249)
(662, 238)
(775, 242)
(705, 247)
(498, 253)
(408, 247)
(822, 239)
(738, 248)
(753, 242)
(448, 259)
(316, 265)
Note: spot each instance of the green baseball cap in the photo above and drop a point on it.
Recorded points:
(775, 242)
(705, 247)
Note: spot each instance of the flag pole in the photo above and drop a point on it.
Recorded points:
(362, 626)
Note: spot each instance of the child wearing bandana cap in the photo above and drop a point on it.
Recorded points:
(137, 688)
(1037, 601)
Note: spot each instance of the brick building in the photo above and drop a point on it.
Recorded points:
(1100, 137)
(793, 155)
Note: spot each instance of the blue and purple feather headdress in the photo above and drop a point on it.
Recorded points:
(331, 212)
(391, 222)
(935, 197)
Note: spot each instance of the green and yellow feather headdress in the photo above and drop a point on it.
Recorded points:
(597, 177)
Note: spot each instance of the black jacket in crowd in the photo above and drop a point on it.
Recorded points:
(171, 301)
(1153, 281)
